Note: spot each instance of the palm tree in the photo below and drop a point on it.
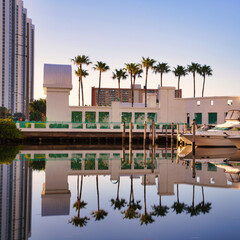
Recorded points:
(118, 203)
(101, 67)
(82, 73)
(134, 69)
(79, 61)
(77, 221)
(161, 68)
(179, 71)
(131, 212)
(146, 217)
(119, 74)
(205, 71)
(205, 207)
(178, 207)
(160, 210)
(100, 213)
(192, 210)
(194, 68)
(147, 63)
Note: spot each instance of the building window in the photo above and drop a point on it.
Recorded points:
(198, 103)
(77, 117)
(90, 117)
(139, 117)
(198, 118)
(212, 102)
(152, 117)
(126, 117)
(103, 117)
(229, 102)
(212, 118)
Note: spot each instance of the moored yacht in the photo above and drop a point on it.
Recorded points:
(235, 140)
(221, 135)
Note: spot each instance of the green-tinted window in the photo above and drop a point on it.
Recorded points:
(152, 116)
(139, 117)
(126, 117)
(212, 118)
(212, 167)
(77, 117)
(103, 117)
(198, 118)
(90, 117)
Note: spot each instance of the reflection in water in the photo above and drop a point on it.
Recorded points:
(78, 221)
(162, 168)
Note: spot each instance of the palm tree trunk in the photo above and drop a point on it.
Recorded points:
(145, 200)
(81, 188)
(161, 79)
(132, 188)
(203, 195)
(118, 189)
(77, 186)
(82, 93)
(97, 193)
(134, 79)
(193, 195)
(131, 88)
(99, 87)
(178, 84)
(194, 84)
(160, 200)
(177, 194)
(79, 84)
(146, 87)
(203, 85)
(119, 95)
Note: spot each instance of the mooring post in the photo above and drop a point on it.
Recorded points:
(172, 135)
(193, 135)
(185, 128)
(123, 134)
(166, 133)
(193, 148)
(177, 134)
(130, 143)
(144, 143)
(153, 144)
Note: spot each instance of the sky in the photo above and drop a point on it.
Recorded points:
(122, 31)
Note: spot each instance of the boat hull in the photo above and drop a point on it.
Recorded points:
(209, 140)
(235, 141)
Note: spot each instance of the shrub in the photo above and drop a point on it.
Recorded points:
(8, 154)
(8, 130)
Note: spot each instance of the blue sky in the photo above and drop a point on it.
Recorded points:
(117, 32)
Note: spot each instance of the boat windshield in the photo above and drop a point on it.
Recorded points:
(221, 128)
(233, 115)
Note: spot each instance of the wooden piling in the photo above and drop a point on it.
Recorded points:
(153, 144)
(177, 134)
(123, 134)
(193, 135)
(130, 143)
(185, 128)
(166, 134)
(144, 143)
(172, 136)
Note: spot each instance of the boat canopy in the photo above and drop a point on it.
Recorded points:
(233, 115)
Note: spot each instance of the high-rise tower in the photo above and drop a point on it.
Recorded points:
(16, 56)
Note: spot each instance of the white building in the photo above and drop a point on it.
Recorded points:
(16, 56)
(206, 110)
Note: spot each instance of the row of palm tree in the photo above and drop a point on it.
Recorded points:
(135, 70)
(134, 206)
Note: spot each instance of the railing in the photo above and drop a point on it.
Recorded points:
(93, 127)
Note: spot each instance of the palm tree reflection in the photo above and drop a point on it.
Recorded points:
(160, 210)
(146, 218)
(118, 203)
(133, 206)
(78, 221)
(193, 210)
(100, 213)
(178, 207)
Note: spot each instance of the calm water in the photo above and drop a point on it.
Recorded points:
(97, 194)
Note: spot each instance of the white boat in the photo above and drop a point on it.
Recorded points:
(220, 135)
(235, 140)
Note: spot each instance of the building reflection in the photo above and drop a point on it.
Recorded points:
(15, 199)
(60, 164)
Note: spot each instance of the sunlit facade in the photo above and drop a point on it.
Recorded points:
(17, 56)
